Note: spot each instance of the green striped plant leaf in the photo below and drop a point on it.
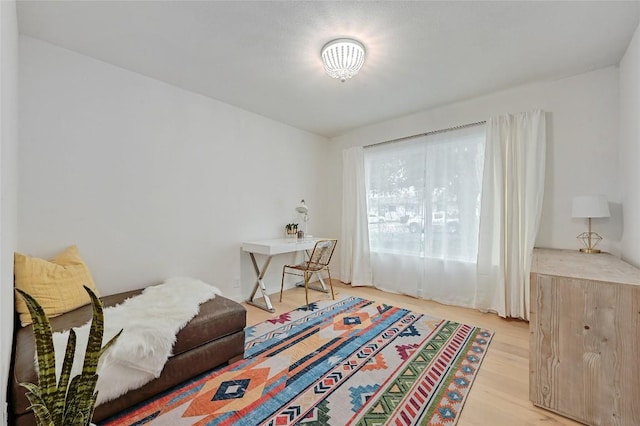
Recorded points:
(44, 345)
(70, 401)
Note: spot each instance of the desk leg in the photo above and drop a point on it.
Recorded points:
(267, 306)
(324, 288)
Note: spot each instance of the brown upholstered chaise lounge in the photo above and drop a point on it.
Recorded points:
(213, 337)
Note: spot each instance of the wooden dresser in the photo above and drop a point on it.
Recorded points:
(584, 337)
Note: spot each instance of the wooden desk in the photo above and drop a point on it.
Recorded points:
(585, 336)
(271, 248)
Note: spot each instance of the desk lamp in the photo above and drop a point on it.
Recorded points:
(303, 209)
(590, 206)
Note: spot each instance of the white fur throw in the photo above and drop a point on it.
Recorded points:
(150, 322)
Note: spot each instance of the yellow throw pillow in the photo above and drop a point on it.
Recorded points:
(56, 284)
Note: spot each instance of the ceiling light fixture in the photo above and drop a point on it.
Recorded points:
(343, 58)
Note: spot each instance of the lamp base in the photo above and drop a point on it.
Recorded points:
(589, 250)
(589, 240)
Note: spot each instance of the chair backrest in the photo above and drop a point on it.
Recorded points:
(322, 252)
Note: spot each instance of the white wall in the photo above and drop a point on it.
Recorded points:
(582, 150)
(630, 149)
(8, 184)
(152, 181)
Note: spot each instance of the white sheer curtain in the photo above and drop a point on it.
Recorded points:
(423, 200)
(512, 192)
(355, 263)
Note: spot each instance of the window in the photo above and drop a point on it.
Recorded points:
(423, 194)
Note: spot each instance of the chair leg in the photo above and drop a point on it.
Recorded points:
(306, 288)
(282, 282)
(331, 284)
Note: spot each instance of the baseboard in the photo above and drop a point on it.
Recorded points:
(237, 298)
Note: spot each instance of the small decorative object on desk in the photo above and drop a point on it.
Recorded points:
(292, 230)
(300, 234)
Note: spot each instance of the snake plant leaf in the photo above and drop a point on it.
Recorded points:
(80, 418)
(89, 378)
(93, 408)
(63, 381)
(38, 406)
(44, 344)
(69, 404)
(43, 417)
(86, 390)
(94, 343)
(110, 342)
(32, 388)
(37, 403)
(72, 401)
(80, 399)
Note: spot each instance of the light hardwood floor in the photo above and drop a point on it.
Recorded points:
(500, 393)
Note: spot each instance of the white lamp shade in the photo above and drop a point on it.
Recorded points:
(590, 206)
(302, 207)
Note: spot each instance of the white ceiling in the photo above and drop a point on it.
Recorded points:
(265, 56)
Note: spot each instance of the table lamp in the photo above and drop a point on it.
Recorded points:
(303, 209)
(590, 206)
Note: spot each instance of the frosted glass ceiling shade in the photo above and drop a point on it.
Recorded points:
(590, 206)
(343, 58)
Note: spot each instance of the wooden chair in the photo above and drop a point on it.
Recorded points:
(318, 261)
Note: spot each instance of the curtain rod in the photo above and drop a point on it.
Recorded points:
(462, 126)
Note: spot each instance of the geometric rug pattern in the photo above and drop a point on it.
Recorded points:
(342, 362)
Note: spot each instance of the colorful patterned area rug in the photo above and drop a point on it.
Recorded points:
(343, 362)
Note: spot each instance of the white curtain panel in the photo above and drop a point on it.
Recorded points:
(423, 201)
(355, 261)
(512, 192)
